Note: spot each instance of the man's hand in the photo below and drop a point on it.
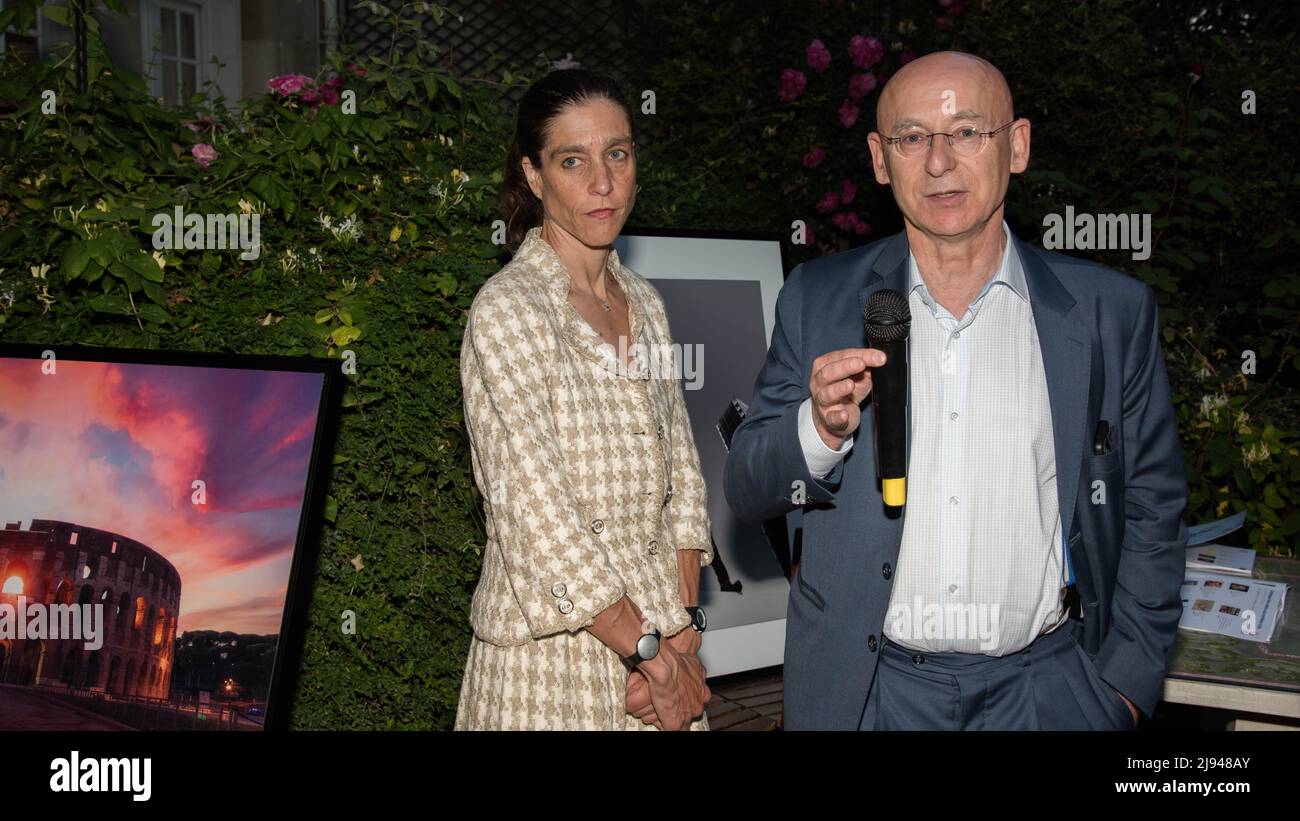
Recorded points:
(1131, 708)
(839, 384)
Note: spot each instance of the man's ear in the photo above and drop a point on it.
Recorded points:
(1020, 146)
(533, 176)
(877, 147)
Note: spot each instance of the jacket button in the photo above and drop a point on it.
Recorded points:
(558, 589)
(566, 606)
(597, 525)
(887, 570)
(918, 659)
(668, 496)
(871, 642)
(660, 432)
(654, 547)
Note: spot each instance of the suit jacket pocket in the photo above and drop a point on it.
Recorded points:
(808, 590)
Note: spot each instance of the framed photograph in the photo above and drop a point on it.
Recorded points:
(159, 514)
(719, 290)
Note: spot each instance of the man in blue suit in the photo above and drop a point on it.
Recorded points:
(1031, 580)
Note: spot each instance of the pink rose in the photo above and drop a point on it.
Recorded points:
(819, 57)
(828, 202)
(865, 51)
(793, 82)
(848, 113)
(815, 157)
(308, 94)
(287, 84)
(329, 96)
(843, 221)
(860, 85)
(356, 70)
(847, 191)
(204, 154)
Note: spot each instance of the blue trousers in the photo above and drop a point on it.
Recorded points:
(1052, 684)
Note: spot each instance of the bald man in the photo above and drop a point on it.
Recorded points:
(1031, 579)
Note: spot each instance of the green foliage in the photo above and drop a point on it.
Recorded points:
(375, 235)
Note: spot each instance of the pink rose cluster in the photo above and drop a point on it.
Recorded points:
(844, 220)
(864, 52)
(307, 90)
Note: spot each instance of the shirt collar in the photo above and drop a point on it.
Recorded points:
(538, 253)
(1009, 273)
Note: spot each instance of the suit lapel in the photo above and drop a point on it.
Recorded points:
(1067, 363)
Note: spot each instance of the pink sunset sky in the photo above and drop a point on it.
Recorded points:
(118, 446)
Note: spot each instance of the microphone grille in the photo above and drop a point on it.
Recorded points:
(887, 315)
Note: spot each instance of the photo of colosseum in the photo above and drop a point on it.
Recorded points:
(123, 485)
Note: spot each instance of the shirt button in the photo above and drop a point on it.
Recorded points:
(952, 499)
(956, 334)
(597, 525)
(566, 606)
(952, 588)
(871, 642)
(654, 547)
(953, 415)
(558, 589)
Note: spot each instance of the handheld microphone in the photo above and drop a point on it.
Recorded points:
(888, 321)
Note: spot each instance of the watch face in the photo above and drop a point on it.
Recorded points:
(700, 621)
(647, 646)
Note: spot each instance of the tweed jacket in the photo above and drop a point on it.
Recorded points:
(589, 473)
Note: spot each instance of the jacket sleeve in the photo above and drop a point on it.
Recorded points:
(1146, 606)
(767, 474)
(555, 558)
(688, 509)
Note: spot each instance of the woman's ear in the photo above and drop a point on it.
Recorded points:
(533, 176)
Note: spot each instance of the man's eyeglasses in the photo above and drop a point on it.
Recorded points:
(966, 141)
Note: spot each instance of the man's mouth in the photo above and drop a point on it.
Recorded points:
(946, 197)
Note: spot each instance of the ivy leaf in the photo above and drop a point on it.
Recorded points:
(110, 304)
(154, 313)
(75, 259)
(146, 266)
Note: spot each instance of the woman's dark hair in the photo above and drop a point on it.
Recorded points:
(541, 104)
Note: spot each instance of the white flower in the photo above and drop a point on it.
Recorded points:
(1211, 404)
(564, 62)
(39, 271)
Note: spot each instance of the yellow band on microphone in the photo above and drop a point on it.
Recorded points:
(895, 491)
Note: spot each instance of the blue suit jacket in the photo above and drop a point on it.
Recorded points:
(1100, 342)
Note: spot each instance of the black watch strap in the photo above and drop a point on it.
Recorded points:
(698, 620)
(630, 662)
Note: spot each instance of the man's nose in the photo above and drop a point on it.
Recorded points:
(939, 156)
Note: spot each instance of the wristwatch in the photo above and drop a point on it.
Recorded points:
(698, 620)
(647, 647)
